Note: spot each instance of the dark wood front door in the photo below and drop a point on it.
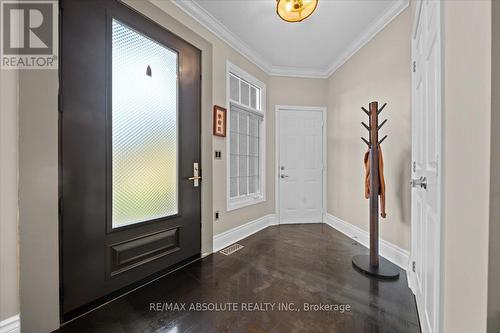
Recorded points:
(129, 142)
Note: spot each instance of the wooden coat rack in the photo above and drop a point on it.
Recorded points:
(373, 264)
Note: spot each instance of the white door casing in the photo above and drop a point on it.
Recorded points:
(425, 268)
(301, 164)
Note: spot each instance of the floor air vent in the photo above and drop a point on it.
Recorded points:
(231, 249)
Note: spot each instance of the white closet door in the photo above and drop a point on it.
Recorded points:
(301, 166)
(426, 151)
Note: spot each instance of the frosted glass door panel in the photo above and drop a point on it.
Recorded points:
(144, 128)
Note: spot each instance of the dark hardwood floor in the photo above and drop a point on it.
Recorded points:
(300, 264)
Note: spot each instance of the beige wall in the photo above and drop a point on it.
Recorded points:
(294, 92)
(221, 53)
(280, 90)
(9, 277)
(494, 248)
(467, 116)
(380, 71)
(467, 98)
(38, 160)
(276, 92)
(38, 144)
(38, 196)
(172, 24)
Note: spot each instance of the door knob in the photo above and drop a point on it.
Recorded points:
(422, 182)
(283, 176)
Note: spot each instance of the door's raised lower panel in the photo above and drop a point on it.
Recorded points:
(136, 252)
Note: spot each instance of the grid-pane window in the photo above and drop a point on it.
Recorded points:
(245, 136)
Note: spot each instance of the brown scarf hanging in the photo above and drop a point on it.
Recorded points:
(381, 179)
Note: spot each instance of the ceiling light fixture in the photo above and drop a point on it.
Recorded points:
(295, 10)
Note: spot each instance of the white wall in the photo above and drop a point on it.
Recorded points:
(380, 71)
(9, 277)
(467, 123)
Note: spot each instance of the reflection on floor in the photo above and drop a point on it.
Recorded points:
(299, 264)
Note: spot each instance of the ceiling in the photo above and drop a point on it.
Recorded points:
(315, 47)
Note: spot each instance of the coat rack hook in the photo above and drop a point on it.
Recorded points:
(366, 126)
(380, 110)
(380, 142)
(382, 124)
(365, 111)
(366, 141)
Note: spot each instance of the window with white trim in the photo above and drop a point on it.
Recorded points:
(246, 139)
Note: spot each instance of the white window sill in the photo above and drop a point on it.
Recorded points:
(238, 203)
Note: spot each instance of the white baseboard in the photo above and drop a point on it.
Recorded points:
(387, 250)
(11, 325)
(231, 236)
(297, 222)
(410, 277)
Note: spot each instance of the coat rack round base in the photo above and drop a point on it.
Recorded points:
(385, 269)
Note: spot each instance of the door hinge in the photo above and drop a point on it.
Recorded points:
(414, 167)
(413, 266)
(414, 66)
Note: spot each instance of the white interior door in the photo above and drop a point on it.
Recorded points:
(426, 152)
(300, 166)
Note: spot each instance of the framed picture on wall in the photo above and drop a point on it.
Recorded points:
(219, 121)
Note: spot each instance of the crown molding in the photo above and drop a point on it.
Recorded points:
(377, 26)
(298, 72)
(203, 17)
(206, 19)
